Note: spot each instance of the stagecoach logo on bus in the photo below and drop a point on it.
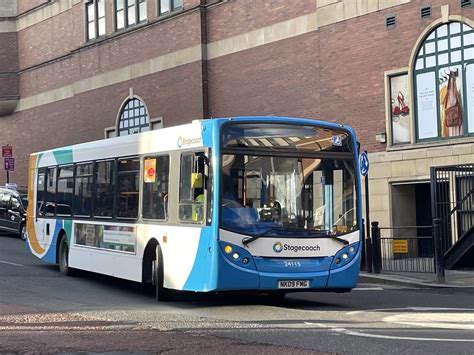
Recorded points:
(184, 142)
(279, 247)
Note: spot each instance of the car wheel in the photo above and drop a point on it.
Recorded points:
(23, 233)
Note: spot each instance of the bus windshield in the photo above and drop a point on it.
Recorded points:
(304, 187)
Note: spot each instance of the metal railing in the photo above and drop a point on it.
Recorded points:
(408, 253)
(452, 195)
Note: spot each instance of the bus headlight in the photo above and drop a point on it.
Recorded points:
(345, 255)
(237, 255)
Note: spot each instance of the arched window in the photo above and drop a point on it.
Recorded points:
(133, 118)
(444, 83)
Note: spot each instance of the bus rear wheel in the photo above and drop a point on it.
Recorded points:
(162, 294)
(64, 257)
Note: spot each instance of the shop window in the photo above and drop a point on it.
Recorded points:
(167, 6)
(95, 17)
(444, 84)
(129, 13)
(133, 118)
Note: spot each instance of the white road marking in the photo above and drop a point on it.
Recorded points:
(445, 320)
(380, 336)
(366, 335)
(419, 309)
(9, 263)
(368, 289)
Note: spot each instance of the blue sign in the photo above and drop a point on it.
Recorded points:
(364, 163)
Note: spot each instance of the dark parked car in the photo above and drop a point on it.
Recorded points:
(13, 205)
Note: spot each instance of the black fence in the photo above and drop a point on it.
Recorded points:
(410, 253)
(452, 195)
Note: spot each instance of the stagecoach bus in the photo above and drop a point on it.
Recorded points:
(266, 204)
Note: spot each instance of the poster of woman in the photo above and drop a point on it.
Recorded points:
(450, 100)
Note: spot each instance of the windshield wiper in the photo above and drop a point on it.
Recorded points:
(310, 233)
(253, 238)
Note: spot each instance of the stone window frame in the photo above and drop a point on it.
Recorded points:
(127, 114)
(98, 22)
(156, 123)
(420, 66)
(445, 18)
(140, 13)
(174, 6)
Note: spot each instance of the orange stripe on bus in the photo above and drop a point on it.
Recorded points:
(30, 223)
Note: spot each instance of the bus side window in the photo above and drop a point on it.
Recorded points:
(65, 190)
(192, 187)
(104, 184)
(128, 175)
(155, 187)
(51, 187)
(40, 186)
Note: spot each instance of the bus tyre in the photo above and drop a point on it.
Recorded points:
(23, 232)
(162, 294)
(64, 257)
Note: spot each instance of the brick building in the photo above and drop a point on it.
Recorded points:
(78, 70)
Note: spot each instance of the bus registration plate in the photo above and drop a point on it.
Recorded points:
(293, 284)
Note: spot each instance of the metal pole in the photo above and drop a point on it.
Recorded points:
(8, 176)
(368, 240)
(363, 265)
(439, 252)
(376, 257)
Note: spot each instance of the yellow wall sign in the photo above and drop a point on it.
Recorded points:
(400, 246)
(150, 170)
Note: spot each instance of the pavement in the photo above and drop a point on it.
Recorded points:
(453, 279)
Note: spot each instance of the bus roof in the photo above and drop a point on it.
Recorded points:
(198, 133)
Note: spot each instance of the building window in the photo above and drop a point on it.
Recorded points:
(133, 118)
(444, 84)
(95, 15)
(129, 13)
(167, 6)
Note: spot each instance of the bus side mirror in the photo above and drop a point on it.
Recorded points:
(196, 180)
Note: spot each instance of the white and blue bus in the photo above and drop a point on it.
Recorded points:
(267, 204)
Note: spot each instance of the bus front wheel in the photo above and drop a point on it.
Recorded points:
(162, 294)
(64, 257)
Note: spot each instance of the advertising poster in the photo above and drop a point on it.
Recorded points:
(426, 105)
(470, 96)
(150, 170)
(450, 101)
(400, 109)
(121, 238)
